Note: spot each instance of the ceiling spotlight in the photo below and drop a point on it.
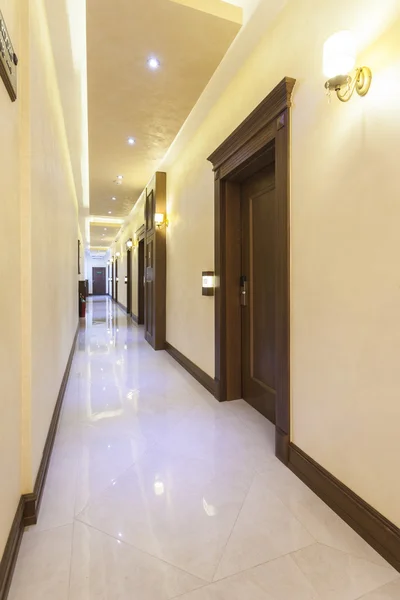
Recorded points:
(109, 212)
(113, 198)
(105, 228)
(131, 141)
(120, 176)
(153, 63)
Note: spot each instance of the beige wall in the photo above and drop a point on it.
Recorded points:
(345, 241)
(10, 314)
(43, 175)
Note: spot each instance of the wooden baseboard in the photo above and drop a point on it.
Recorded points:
(121, 306)
(10, 555)
(32, 501)
(135, 318)
(373, 527)
(282, 445)
(29, 504)
(206, 381)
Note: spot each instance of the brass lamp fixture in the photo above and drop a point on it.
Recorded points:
(338, 62)
(117, 254)
(160, 220)
(129, 245)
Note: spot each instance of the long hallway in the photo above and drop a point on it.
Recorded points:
(157, 491)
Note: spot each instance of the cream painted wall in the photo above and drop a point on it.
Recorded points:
(345, 243)
(10, 314)
(55, 198)
(42, 141)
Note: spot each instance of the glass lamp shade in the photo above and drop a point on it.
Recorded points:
(159, 218)
(339, 54)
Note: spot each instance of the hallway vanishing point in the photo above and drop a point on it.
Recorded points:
(157, 491)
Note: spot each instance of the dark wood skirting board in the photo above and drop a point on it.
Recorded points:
(121, 306)
(10, 554)
(135, 318)
(29, 504)
(373, 527)
(32, 501)
(206, 381)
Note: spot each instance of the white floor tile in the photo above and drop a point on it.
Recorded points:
(320, 520)
(280, 579)
(157, 491)
(336, 575)
(42, 571)
(265, 530)
(104, 568)
(391, 591)
(177, 508)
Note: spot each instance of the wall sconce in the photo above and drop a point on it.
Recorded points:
(117, 254)
(129, 245)
(126, 278)
(160, 220)
(338, 61)
(208, 283)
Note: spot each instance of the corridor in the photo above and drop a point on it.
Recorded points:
(156, 491)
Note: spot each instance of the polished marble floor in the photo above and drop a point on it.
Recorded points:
(156, 491)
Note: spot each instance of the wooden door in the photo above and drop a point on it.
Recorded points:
(141, 282)
(129, 282)
(258, 287)
(99, 281)
(149, 290)
(112, 281)
(116, 281)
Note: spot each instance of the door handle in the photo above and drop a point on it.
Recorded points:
(243, 290)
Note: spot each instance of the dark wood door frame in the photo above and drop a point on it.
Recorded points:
(112, 280)
(129, 281)
(262, 139)
(140, 235)
(155, 262)
(116, 280)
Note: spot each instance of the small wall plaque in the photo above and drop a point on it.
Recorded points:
(208, 283)
(8, 61)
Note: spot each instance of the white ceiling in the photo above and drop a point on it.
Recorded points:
(126, 98)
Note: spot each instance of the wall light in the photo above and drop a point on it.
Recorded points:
(208, 286)
(126, 278)
(129, 245)
(160, 220)
(118, 254)
(339, 59)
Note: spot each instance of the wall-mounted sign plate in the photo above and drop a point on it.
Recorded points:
(8, 61)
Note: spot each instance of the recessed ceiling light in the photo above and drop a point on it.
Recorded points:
(120, 176)
(153, 63)
(113, 198)
(105, 228)
(131, 141)
(109, 212)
